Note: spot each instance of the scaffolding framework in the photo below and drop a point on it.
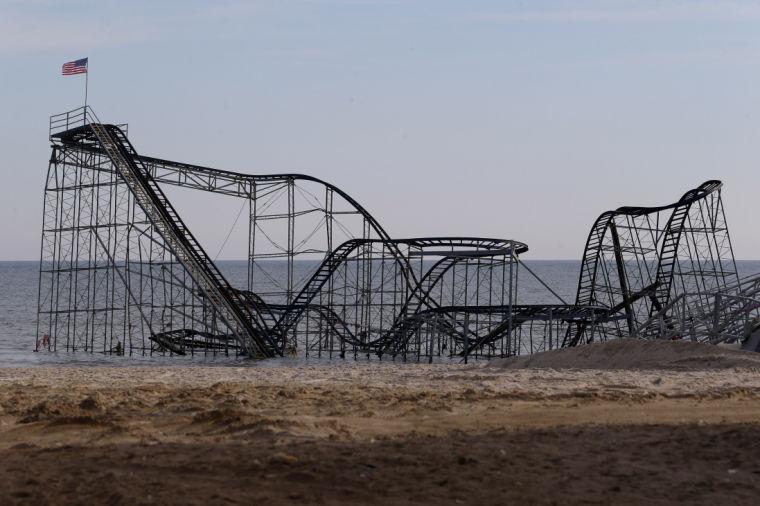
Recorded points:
(121, 272)
(638, 260)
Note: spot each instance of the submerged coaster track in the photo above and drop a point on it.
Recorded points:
(121, 271)
(639, 260)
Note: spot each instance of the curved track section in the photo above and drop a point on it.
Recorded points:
(637, 259)
(370, 335)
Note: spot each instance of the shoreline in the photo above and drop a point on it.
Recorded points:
(384, 433)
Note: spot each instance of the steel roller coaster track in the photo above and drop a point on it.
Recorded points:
(638, 259)
(121, 272)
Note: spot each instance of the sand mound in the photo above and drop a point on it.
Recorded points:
(637, 354)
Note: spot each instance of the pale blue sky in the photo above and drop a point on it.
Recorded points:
(516, 119)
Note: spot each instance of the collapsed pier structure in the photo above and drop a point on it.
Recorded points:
(121, 272)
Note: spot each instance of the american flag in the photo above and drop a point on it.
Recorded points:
(75, 67)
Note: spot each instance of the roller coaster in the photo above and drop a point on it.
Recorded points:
(121, 272)
(639, 260)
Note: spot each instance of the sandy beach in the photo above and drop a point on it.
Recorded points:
(624, 423)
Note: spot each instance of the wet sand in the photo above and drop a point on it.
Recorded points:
(681, 429)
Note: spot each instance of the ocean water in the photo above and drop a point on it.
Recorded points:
(18, 318)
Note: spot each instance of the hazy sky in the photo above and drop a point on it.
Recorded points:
(515, 119)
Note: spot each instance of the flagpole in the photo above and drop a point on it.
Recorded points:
(86, 84)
